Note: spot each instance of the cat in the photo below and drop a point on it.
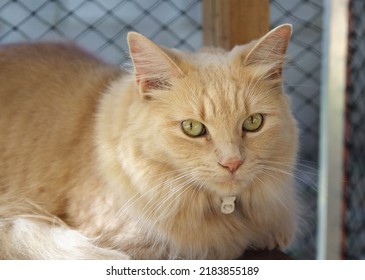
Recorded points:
(187, 156)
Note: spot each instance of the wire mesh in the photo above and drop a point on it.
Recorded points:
(302, 83)
(101, 27)
(355, 165)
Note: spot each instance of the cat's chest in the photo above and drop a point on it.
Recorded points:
(193, 227)
(188, 234)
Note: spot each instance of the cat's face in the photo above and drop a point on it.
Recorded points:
(225, 133)
(221, 119)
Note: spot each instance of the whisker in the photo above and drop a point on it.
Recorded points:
(138, 196)
(172, 190)
(296, 166)
(172, 187)
(271, 170)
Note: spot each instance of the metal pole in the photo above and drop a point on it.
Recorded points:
(330, 197)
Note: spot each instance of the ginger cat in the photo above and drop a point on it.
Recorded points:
(190, 156)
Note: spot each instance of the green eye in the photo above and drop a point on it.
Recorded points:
(193, 128)
(253, 123)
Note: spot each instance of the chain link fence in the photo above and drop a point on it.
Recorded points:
(354, 247)
(302, 83)
(101, 27)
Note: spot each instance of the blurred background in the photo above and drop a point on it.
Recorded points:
(101, 27)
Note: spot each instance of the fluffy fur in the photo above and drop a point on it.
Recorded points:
(94, 163)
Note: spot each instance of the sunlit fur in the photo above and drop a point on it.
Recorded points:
(94, 163)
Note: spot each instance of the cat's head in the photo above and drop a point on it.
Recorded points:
(219, 118)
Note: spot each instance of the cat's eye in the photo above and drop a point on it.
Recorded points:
(253, 123)
(193, 128)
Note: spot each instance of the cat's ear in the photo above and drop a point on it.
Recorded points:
(269, 51)
(153, 66)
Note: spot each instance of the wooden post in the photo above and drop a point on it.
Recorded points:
(227, 23)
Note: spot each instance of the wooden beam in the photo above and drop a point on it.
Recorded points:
(227, 23)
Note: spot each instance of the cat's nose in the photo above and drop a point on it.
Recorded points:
(232, 164)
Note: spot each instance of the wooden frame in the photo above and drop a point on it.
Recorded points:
(227, 23)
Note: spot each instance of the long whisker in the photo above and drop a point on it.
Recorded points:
(172, 189)
(152, 190)
(173, 194)
(295, 166)
(195, 188)
(271, 171)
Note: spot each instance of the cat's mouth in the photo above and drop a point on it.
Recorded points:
(230, 179)
(231, 184)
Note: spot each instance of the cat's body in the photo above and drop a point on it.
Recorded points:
(95, 163)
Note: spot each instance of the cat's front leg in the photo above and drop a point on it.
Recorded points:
(273, 221)
(282, 235)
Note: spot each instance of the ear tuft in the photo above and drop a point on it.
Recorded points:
(153, 67)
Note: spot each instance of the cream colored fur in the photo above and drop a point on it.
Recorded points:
(94, 163)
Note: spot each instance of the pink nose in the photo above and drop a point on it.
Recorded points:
(232, 164)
